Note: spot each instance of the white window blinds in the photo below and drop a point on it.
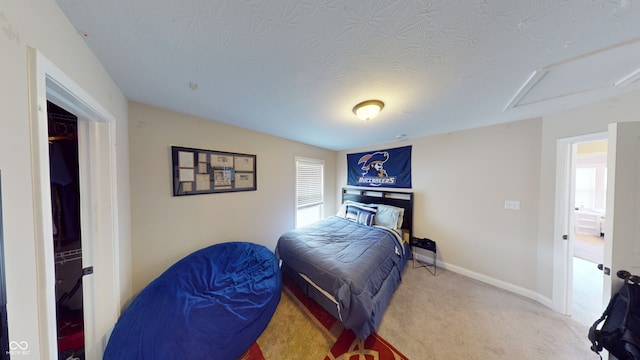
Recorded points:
(309, 182)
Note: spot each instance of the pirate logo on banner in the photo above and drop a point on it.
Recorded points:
(388, 168)
(373, 164)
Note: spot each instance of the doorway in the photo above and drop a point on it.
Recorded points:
(67, 234)
(98, 207)
(589, 184)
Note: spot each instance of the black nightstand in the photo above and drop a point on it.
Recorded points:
(426, 244)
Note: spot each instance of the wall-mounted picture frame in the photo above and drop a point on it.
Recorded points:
(199, 171)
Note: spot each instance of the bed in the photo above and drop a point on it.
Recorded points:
(351, 263)
(214, 303)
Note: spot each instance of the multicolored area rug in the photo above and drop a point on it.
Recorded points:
(346, 346)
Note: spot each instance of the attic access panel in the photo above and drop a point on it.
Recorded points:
(618, 65)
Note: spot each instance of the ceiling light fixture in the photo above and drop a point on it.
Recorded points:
(367, 110)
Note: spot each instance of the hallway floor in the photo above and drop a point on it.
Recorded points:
(587, 292)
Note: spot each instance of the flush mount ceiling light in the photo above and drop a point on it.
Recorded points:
(367, 110)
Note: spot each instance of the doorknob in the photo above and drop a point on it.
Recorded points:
(600, 266)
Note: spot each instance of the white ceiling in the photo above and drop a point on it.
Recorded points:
(296, 68)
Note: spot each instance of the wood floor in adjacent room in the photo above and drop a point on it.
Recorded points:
(587, 292)
(587, 304)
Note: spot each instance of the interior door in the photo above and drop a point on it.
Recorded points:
(622, 224)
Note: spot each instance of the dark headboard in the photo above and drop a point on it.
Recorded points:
(395, 198)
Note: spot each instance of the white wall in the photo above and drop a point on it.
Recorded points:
(166, 228)
(461, 180)
(40, 24)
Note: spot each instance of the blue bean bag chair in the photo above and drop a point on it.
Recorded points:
(212, 304)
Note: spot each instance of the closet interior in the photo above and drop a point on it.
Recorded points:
(67, 244)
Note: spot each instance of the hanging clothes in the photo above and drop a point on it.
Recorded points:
(66, 213)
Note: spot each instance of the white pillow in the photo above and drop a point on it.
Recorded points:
(389, 216)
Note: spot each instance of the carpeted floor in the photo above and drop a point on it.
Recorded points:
(448, 316)
(589, 247)
(292, 336)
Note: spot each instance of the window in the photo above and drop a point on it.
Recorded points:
(585, 187)
(309, 191)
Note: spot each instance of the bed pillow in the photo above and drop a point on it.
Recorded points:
(342, 212)
(364, 215)
(389, 216)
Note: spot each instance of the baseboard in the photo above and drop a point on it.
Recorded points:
(490, 280)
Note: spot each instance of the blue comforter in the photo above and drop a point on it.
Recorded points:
(212, 304)
(349, 261)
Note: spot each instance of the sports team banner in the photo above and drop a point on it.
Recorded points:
(384, 168)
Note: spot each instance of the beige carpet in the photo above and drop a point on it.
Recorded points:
(589, 247)
(450, 316)
(447, 316)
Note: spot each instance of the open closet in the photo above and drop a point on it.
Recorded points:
(67, 244)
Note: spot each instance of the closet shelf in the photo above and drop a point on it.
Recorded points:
(62, 137)
(67, 256)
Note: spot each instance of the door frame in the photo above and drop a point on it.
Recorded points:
(96, 149)
(4, 326)
(564, 220)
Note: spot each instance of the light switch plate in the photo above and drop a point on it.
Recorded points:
(512, 204)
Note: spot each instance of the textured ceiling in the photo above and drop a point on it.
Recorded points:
(295, 68)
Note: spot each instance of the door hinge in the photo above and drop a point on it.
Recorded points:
(606, 270)
(87, 271)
